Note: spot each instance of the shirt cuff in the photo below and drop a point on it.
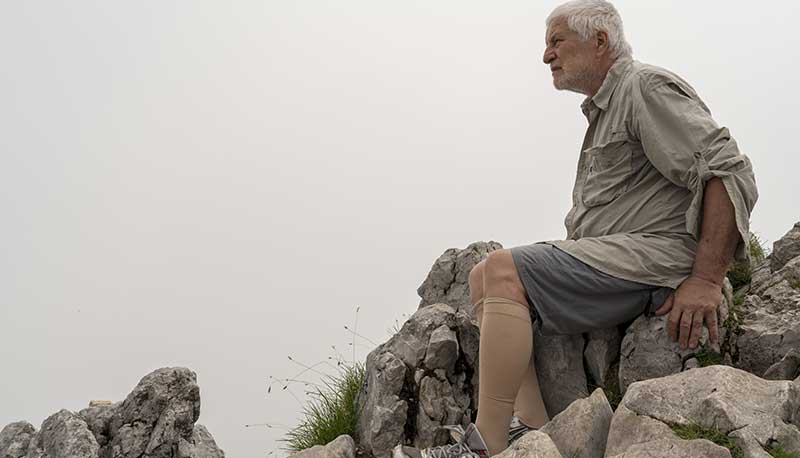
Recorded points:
(740, 186)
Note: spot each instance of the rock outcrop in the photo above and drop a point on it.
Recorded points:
(742, 394)
(15, 438)
(156, 420)
(448, 280)
(341, 447)
(422, 378)
(754, 412)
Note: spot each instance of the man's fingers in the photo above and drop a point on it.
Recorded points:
(685, 329)
(697, 330)
(711, 323)
(673, 322)
(666, 306)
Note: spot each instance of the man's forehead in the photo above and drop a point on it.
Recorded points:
(558, 25)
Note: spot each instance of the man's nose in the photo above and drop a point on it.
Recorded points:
(549, 55)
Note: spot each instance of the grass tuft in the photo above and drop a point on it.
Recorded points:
(332, 410)
(707, 357)
(778, 452)
(741, 273)
(695, 431)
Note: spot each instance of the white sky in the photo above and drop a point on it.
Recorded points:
(220, 184)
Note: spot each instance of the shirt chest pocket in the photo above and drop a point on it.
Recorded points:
(609, 172)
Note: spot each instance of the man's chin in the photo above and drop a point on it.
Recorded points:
(559, 85)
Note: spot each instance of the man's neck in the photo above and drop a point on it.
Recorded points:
(597, 82)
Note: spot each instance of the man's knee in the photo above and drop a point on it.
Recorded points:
(476, 281)
(501, 277)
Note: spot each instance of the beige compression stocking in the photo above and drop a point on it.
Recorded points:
(505, 352)
(529, 405)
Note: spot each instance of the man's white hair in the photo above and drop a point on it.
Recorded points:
(587, 17)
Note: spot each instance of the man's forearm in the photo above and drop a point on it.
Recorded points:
(718, 234)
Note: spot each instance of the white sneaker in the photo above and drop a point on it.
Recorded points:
(517, 429)
(469, 444)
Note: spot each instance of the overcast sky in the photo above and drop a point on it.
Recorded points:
(219, 185)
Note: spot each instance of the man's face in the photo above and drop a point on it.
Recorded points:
(571, 60)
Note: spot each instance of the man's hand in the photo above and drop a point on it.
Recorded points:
(695, 300)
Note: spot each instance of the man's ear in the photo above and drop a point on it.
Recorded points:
(602, 41)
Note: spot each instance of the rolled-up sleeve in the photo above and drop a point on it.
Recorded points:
(685, 144)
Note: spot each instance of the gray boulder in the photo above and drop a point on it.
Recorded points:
(98, 419)
(602, 349)
(786, 249)
(770, 328)
(341, 447)
(156, 420)
(764, 279)
(15, 438)
(448, 279)
(559, 368)
(788, 368)
(769, 315)
(648, 352)
(534, 444)
(159, 412)
(424, 377)
(581, 430)
(201, 445)
(756, 413)
(63, 435)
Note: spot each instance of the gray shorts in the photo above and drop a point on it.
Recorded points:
(567, 296)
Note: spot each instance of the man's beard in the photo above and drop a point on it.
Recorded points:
(579, 81)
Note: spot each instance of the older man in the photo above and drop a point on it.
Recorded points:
(661, 205)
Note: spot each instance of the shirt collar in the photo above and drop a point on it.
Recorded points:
(610, 83)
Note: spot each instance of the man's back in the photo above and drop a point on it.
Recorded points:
(650, 146)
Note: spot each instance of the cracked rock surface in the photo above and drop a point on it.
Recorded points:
(581, 430)
(63, 435)
(15, 438)
(156, 420)
(424, 377)
(341, 447)
(448, 280)
(756, 412)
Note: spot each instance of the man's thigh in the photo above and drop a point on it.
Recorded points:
(568, 296)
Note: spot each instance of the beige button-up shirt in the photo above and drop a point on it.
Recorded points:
(650, 147)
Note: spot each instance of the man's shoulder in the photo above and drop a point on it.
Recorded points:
(645, 77)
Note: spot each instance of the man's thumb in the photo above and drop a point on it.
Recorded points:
(666, 306)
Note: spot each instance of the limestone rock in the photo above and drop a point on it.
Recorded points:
(786, 249)
(648, 352)
(581, 430)
(770, 329)
(63, 435)
(383, 413)
(534, 444)
(786, 369)
(559, 368)
(98, 419)
(756, 412)
(629, 428)
(202, 445)
(602, 349)
(442, 351)
(159, 413)
(15, 438)
(156, 420)
(676, 448)
(448, 279)
(424, 377)
(764, 279)
(341, 447)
